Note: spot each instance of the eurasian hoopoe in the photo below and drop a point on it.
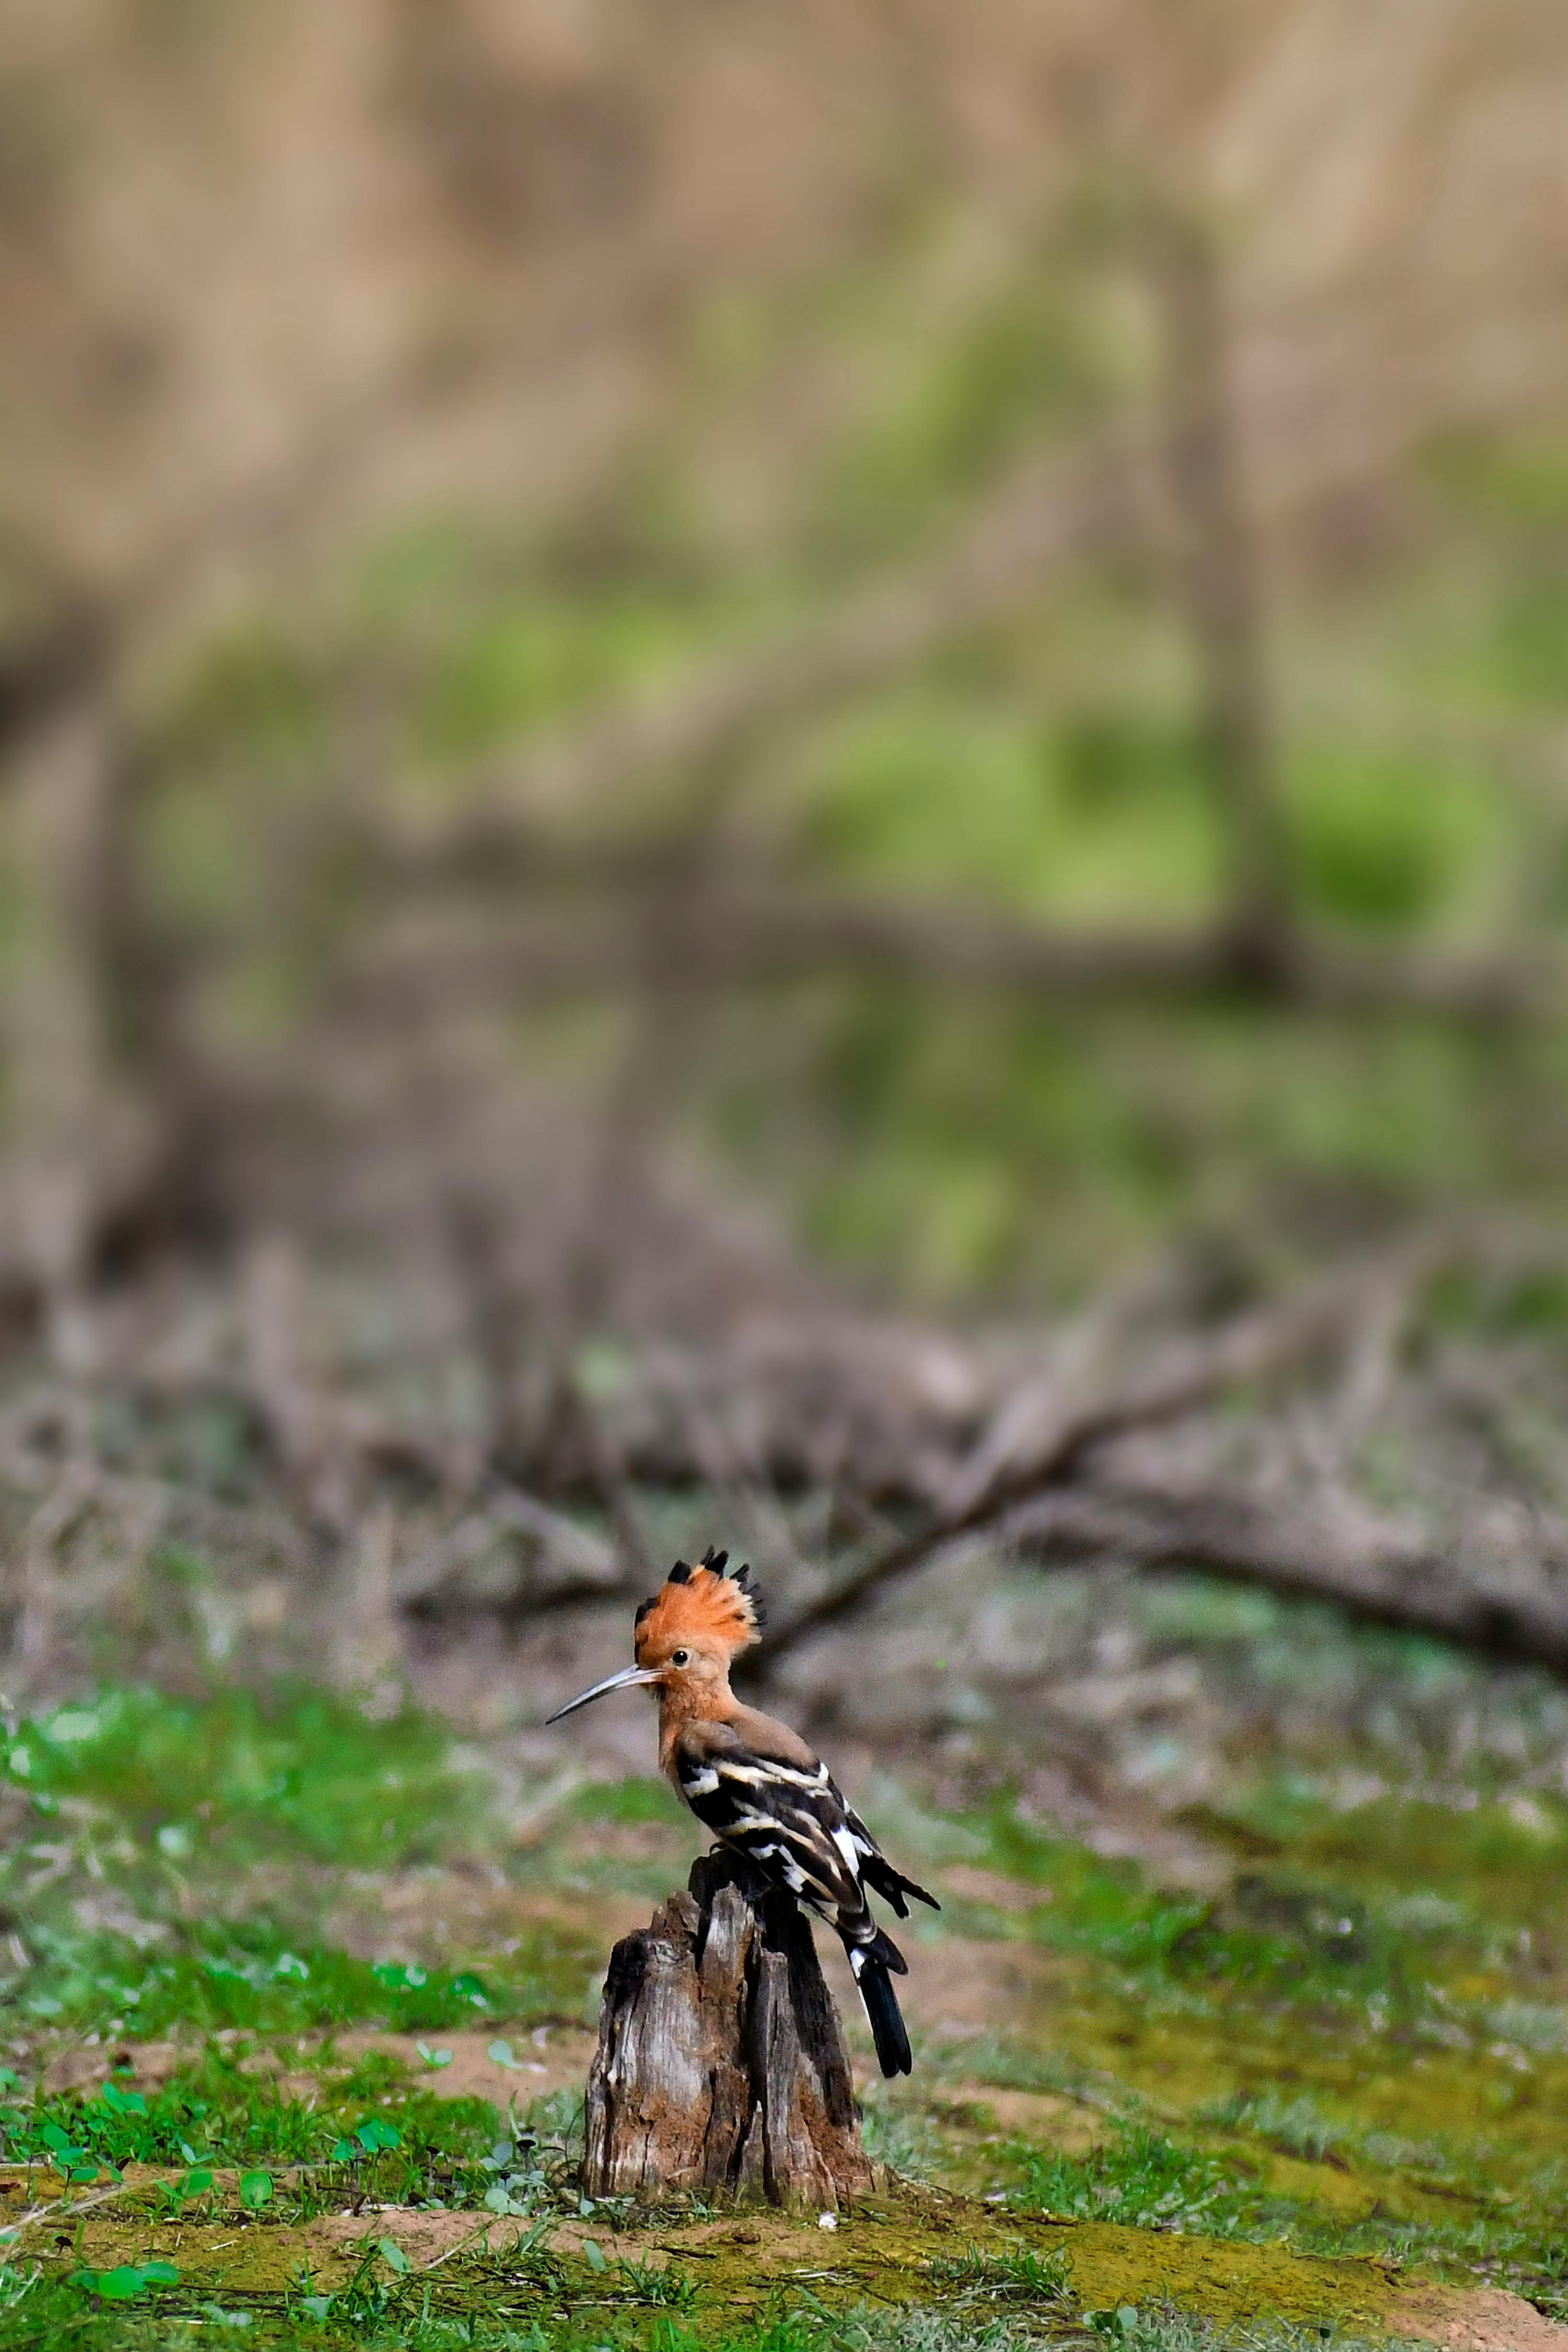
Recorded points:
(757, 1785)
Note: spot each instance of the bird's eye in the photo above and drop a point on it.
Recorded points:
(681, 1658)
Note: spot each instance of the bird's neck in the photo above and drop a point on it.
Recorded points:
(703, 1703)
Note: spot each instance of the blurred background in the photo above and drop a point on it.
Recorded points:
(795, 778)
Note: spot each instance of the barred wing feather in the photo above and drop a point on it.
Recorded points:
(794, 1822)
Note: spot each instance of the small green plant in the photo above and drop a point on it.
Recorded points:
(1018, 2276)
(1144, 2178)
(666, 2289)
(1297, 2124)
(173, 2197)
(127, 2281)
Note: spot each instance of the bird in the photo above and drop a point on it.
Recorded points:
(757, 1785)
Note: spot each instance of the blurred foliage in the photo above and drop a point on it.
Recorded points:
(231, 1812)
(948, 1141)
(302, 1772)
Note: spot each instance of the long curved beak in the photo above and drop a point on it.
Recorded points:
(627, 1679)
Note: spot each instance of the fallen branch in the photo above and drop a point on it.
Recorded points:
(575, 1565)
(753, 936)
(1383, 1574)
(1255, 1348)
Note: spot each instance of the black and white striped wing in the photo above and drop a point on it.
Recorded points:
(791, 1821)
(880, 1875)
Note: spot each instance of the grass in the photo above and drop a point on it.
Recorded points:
(247, 1975)
(216, 1836)
(1357, 2050)
(1142, 2178)
(216, 2115)
(305, 1776)
(535, 2314)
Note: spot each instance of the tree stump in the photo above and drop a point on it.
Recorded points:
(720, 2063)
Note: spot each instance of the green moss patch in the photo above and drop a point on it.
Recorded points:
(925, 2250)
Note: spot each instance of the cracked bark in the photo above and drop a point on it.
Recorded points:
(720, 2065)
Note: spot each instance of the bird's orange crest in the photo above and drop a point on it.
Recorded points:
(707, 1601)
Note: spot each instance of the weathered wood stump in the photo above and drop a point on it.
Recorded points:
(720, 2063)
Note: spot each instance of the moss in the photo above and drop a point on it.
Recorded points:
(896, 2249)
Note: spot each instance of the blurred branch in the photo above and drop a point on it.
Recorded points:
(572, 1564)
(1254, 1349)
(494, 1316)
(644, 1086)
(1381, 1574)
(48, 669)
(751, 936)
(75, 1146)
(1034, 1414)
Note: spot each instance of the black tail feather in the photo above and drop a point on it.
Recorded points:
(886, 2019)
(875, 1965)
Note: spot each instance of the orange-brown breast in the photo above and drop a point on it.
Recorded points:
(688, 1712)
(684, 1712)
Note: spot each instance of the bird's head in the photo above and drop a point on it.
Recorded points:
(686, 1636)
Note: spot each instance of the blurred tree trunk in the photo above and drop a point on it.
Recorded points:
(66, 1131)
(89, 1024)
(1218, 572)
